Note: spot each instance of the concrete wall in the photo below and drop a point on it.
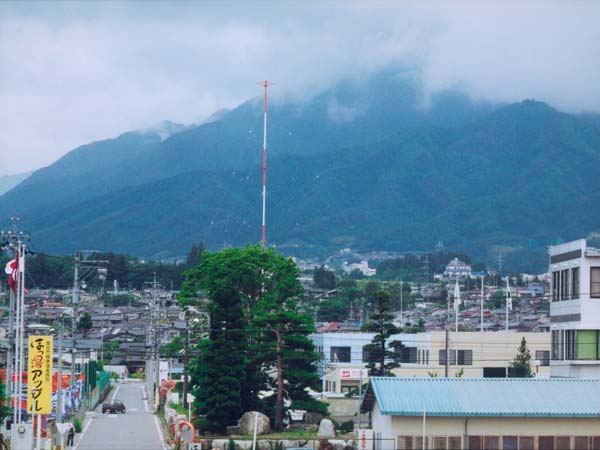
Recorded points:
(455, 426)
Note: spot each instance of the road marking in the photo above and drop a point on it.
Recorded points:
(145, 396)
(87, 425)
(160, 435)
(116, 390)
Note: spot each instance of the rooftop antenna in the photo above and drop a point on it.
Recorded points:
(263, 240)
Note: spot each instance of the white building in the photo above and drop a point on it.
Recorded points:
(575, 310)
(473, 354)
(363, 266)
(457, 269)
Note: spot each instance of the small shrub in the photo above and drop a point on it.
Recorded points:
(77, 425)
(201, 424)
(347, 426)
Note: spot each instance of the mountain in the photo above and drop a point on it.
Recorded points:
(363, 165)
(7, 182)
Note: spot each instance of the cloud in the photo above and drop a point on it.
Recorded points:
(86, 71)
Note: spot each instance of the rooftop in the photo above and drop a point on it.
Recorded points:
(517, 397)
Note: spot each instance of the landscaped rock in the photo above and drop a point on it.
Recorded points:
(288, 444)
(337, 444)
(326, 429)
(221, 444)
(246, 423)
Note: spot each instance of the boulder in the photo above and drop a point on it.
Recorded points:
(337, 444)
(246, 423)
(326, 429)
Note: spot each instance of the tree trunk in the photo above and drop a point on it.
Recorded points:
(279, 405)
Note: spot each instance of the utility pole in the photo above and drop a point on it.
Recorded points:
(83, 268)
(152, 362)
(185, 361)
(447, 352)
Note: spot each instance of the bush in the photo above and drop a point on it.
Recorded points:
(231, 444)
(200, 424)
(77, 425)
(347, 426)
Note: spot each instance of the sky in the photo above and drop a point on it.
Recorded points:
(75, 72)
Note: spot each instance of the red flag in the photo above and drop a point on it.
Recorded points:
(12, 270)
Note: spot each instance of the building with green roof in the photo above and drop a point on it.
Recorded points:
(484, 413)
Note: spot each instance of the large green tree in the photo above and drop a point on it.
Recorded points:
(382, 353)
(261, 293)
(283, 331)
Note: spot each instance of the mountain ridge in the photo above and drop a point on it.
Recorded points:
(495, 181)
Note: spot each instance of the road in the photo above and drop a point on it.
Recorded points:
(138, 429)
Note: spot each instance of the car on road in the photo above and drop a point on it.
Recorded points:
(113, 407)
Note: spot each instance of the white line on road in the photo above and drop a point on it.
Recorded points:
(116, 390)
(145, 396)
(160, 435)
(87, 425)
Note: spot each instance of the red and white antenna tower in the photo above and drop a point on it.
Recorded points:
(263, 241)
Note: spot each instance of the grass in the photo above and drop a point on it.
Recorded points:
(179, 408)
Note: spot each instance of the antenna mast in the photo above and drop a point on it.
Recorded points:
(264, 172)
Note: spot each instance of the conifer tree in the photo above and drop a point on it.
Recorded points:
(381, 360)
(521, 365)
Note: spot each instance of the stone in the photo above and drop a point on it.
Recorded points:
(233, 429)
(246, 423)
(337, 444)
(326, 429)
(285, 443)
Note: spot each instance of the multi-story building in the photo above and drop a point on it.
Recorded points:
(575, 310)
(457, 269)
(472, 355)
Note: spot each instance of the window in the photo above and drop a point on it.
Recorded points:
(340, 354)
(408, 355)
(543, 356)
(564, 284)
(555, 285)
(569, 344)
(587, 344)
(555, 345)
(465, 357)
(595, 282)
(575, 282)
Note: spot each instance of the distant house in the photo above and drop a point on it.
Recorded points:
(476, 413)
(457, 269)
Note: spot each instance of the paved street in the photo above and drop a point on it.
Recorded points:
(135, 430)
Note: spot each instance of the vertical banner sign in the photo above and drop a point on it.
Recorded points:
(365, 439)
(39, 376)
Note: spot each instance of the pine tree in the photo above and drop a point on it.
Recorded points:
(256, 328)
(381, 360)
(283, 334)
(521, 365)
